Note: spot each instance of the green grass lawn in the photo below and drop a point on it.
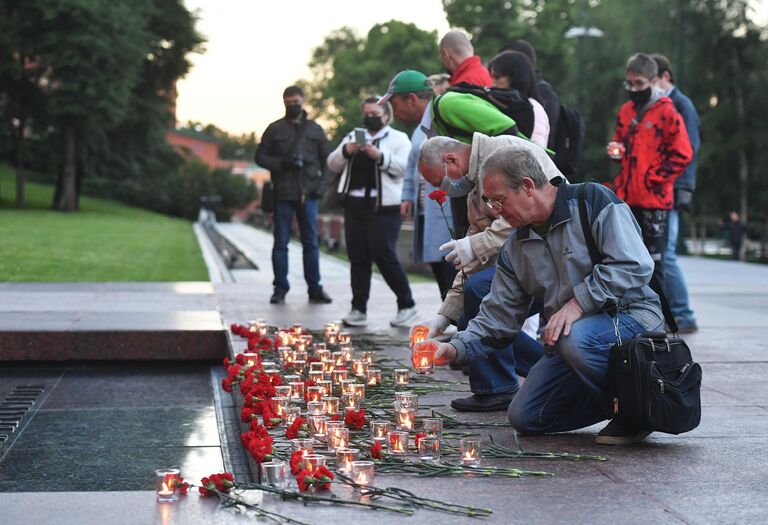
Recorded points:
(105, 241)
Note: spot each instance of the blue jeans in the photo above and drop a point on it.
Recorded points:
(306, 215)
(569, 389)
(496, 370)
(674, 282)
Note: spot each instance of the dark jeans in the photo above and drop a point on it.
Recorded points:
(306, 215)
(371, 237)
(674, 286)
(497, 370)
(653, 226)
(444, 273)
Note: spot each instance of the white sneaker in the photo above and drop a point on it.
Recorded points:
(355, 318)
(404, 316)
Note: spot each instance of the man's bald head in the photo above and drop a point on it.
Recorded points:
(457, 44)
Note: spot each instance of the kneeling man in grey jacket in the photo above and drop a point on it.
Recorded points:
(546, 257)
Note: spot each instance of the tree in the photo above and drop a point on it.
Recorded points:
(346, 69)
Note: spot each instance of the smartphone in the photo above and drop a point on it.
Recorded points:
(360, 136)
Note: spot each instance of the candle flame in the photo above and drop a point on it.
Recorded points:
(424, 362)
(165, 487)
(362, 478)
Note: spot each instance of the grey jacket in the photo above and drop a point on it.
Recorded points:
(558, 267)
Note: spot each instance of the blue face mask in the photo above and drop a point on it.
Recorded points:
(455, 187)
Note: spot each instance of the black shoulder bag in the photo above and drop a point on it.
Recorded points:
(653, 382)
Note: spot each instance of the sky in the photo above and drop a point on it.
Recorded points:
(256, 48)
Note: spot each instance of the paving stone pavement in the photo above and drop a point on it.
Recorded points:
(714, 474)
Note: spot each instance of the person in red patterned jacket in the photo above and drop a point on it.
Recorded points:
(458, 56)
(653, 147)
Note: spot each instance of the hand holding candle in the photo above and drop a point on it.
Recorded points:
(615, 150)
(446, 354)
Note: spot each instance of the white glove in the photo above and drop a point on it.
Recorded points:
(437, 326)
(461, 253)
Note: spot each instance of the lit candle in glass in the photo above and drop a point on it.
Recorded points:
(327, 387)
(279, 406)
(315, 366)
(346, 385)
(369, 356)
(406, 400)
(250, 359)
(337, 375)
(433, 426)
(272, 372)
(345, 457)
(469, 452)
(360, 367)
(423, 357)
(291, 378)
(285, 353)
(429, 450)
(297, 329)
(297, 390)
(305, 445)
(315, 393)
(338, 358)
(315, 408)
(317, 426)
(282, 338)
(323, 354)
(273, 474)
(419, 334)
(337, 438)
(268, 364)
(373, 377)
(312, 462)
(316, 375)
(397, 442)
(166, 483)
(283, 391)
(345, 338)
(350, 401)
(379, 429)
(359, 389)
(332, 339)
(405, 418)
(328, 368)
(401, 376)
(318, 347)
(362, 472)
(291, 413)
(348, 351)
(331, 405)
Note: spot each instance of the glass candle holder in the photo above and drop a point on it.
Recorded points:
(268, 364)
(317, 426)
(327, 387)
(350, 401)
(166, 483)
(280, 405)
(272, 372)
(315, 366)
(419, 333)
(305, 445)
(337, 438)
(332, 339)
(369, 356)
(300, 354)
(328, 367)
(345, 457)
(337, 375)
(397, 442)
(297, 390)
(338, 359)
(314, 393)
(429, 449)
(405, 418)
(423, 357)
(299, 366)
(282, 338)
(316, 375)
(307, 339)
(469, 452)
(283, 391)
(318, 347)
(345, 338)
(291, 378)
(358, 389)
(362, 472)
(285, 353)
(360, 367)
(407, 400)
(297, 328)
(291, 413)
(373, 377)
(315, 408)
(433, 426)
(331, 405)
(346, 385)
(273, 474)
(379, 429)
(348, 351)
(250, 359)
(401, 376)
(323, 354)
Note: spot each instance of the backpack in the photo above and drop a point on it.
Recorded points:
(569, 140)
(509, 101)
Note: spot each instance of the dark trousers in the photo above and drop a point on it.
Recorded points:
(306, 215)
(654, 228)
(444, 273)
(371, 237)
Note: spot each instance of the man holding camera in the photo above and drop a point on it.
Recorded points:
(294, 150)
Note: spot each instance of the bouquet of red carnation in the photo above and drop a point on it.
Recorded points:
(297, 429)
(355, 419)
(215, 483)
(320, 479)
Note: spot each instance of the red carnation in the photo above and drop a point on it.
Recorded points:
(323, 478)
(376, 450)
(305, 480)
(355, 419)
(293, 431)
(296, 462)
(226, 384)
(439, 196)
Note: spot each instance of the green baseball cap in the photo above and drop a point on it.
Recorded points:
(408, 81)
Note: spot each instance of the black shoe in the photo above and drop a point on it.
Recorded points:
(483, 402)
(615, 434)
(278, 297)
(320, 297)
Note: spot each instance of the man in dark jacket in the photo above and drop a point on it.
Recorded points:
(294, 150)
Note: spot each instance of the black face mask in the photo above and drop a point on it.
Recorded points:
(373, 123)
(640, 98)
(293, 111)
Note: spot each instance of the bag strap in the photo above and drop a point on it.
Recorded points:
(453, 131)
(594, 254)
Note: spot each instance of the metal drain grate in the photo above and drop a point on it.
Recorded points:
(15, 407)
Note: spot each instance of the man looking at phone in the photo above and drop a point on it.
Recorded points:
(294, 150)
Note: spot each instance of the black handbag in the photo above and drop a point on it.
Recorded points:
(653, 382)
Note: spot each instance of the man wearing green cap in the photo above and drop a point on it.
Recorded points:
(410, 93)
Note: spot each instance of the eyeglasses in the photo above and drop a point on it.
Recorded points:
(493, 203)
(635, 85)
